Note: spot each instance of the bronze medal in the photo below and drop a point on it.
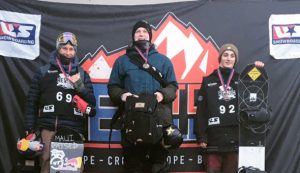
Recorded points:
(146, 65)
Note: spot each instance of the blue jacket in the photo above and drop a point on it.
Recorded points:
(128, 77)
(33, 120)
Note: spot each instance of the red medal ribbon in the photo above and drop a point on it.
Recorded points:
(62, 69)
(142, 55)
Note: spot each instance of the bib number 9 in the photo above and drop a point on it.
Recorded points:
(231, 109)
(60, 97)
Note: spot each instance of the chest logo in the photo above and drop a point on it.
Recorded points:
(228, 95)
(63, 82)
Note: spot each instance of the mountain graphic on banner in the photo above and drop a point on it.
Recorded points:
(192, 54)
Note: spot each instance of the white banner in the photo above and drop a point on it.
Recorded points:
(284, 36)
(19, 35)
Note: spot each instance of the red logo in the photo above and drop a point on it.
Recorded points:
(192, 54)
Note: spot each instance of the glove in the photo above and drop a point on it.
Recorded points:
(30, 136)
(36, 146)
(29, 142)
(83, 106)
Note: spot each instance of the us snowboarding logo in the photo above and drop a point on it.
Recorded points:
(286, 34)
(193, 55)
(21, 33)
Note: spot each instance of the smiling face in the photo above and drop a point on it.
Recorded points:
(141, 34)
(67, 50)
(228, 59)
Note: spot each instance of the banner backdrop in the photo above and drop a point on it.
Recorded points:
(19, 35)
(284, 36)
(190, 34)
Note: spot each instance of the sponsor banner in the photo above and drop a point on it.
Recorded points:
(103, 31)
(284, 36)
(186, 159)
(19, 35)
(66, 157)
(191, 52)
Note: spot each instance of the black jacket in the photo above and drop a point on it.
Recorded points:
(216, 116)
(33, 118)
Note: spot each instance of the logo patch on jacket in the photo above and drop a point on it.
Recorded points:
(212, 84)
(48, 108)
(52, 71)
(63, 82)
(214, 121)
(229, 95)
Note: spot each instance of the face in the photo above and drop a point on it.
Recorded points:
(141, 34)
(227, 59)
(67, 50)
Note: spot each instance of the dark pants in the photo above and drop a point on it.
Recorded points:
(47, 138)
(145, 159)
(226, 162)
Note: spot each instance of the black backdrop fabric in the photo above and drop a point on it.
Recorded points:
(244, 23)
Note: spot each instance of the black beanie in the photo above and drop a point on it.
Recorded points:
(143, 24)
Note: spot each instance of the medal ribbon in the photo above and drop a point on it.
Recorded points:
(62, 69)
(228, 81)
(142, 55)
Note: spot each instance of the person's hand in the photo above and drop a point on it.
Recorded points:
(259, 64)
(74, 78)
(26, 133)
(159, 96)
(203, 145)
(125, 95)
(30, 135)
(29, 131)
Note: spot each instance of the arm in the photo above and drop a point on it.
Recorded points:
(32, 102)
(169, 92)
(201, 117)
(84, 88)
(115, 85)
(115, 93)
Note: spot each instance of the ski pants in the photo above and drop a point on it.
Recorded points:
(225, 162)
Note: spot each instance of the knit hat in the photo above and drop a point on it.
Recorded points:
(66, 37)
(143, 24)
(229, 46)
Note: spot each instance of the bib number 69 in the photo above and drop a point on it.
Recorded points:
(60, 97)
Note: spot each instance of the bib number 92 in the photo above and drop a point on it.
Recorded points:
(230, 109)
